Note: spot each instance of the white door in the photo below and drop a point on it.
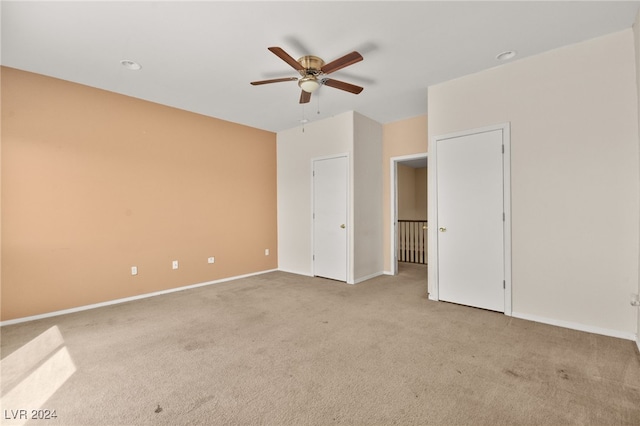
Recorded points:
(330, 177)
(470, 209)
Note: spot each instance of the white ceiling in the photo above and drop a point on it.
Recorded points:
(201, 56)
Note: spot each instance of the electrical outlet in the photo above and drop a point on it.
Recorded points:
(174, 265)
(134, 270)
(211, 260)
(266, 252)
(635, 299)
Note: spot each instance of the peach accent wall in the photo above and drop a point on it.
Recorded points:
(404, 137)
(412, 193)
(94, 182)
(421, 193)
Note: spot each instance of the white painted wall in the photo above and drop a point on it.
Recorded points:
(360, 138)
(636, 37)
(575, 177)
(367, 196)
(295, 150)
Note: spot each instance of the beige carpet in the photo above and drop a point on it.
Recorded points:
(282, 349)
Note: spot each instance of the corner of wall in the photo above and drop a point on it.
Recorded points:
(636, 40)
(367, 196)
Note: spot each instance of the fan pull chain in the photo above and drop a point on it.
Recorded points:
(304, 119)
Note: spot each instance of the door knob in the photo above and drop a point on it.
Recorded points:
(443, 229)
(342, 226)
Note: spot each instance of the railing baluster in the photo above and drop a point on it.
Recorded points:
(412, 241)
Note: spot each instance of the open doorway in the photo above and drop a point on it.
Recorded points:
(408, 211)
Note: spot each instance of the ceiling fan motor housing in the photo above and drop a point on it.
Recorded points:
(311, 64)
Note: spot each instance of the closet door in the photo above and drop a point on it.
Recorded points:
(330, 192)
(470, 198)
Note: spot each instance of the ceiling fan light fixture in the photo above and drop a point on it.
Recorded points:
(309, 83)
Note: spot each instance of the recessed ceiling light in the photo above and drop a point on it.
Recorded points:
(505, 56)
(130, 65)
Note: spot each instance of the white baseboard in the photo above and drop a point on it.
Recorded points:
(127, 299)
(305, 274)
(577, 326)
(368, 277)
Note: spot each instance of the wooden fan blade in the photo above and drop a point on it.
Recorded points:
(345, 61)
(305, 97)
(347, 87)
(285, 57)
(275, 80)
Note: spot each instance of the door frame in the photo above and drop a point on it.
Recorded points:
(432, 212)
(393, 227)
(348, 212)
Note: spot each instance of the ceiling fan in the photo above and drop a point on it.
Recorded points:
(313, 71)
